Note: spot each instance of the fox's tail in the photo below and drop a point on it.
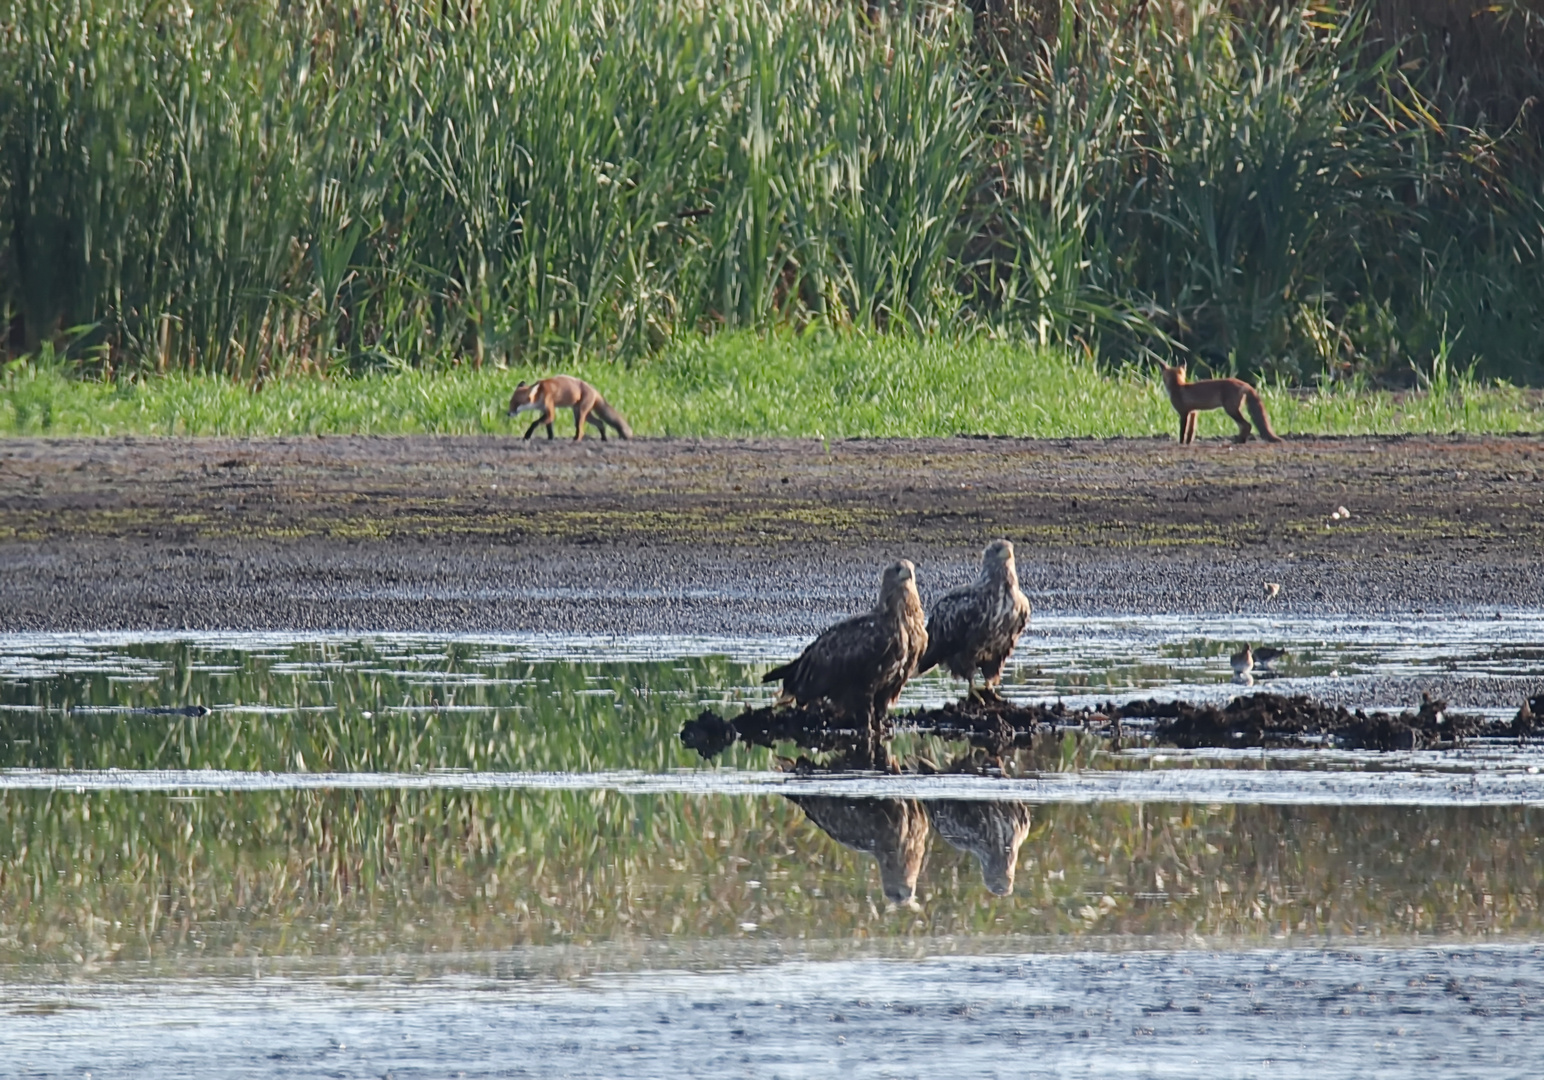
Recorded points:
(1257, 414)
(612, 417)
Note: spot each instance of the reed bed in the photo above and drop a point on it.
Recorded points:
(287, 187)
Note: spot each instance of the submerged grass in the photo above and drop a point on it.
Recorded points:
(820, 385)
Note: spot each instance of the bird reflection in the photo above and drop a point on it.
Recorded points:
(894, 831)
(991, 831)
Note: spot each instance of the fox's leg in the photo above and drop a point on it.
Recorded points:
(1187, 427)
(580, 415)
(534, 425)
(600, 425)
(1243, 425)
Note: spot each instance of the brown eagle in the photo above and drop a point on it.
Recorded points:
(894, 831)
(974, 628)
(991, 831)
(860, 664)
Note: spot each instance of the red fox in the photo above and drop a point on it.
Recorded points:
(546, 396)
(1225, 394)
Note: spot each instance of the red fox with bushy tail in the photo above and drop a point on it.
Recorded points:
(546, 396)
(1188, 398)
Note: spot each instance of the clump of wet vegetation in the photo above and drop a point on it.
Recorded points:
(999, 727)
(256, 191)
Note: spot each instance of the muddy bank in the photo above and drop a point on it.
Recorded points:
(745, 537)
(1252, 720)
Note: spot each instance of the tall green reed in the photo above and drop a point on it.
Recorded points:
(276, 186)
(282, 187)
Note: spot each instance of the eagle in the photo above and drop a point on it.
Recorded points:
(894, 831)
(974, 628)
(991, 831)
(860, 664)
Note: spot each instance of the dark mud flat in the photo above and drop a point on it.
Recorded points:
(745, 536)
(1254, 720)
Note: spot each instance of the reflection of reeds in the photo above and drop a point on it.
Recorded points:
(349, 707)
(118, 876)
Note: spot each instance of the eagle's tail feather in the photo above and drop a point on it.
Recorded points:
(929, 661)
(779, 672)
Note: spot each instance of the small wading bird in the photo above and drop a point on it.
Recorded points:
(1265, 656)
(974, 627)
(1242, 661)
(860, 664)
(1243, 666)
(1248, 660)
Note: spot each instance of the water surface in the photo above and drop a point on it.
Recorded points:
(270, 855)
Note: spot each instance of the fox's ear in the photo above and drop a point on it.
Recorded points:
(521, 386)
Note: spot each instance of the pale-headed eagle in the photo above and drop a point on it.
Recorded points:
(991, 831)
(860, 664)
(974, 628)
(894, 831)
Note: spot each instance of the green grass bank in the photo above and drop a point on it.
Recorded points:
(742, 384)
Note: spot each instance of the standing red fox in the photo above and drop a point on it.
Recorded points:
(546, 396)
(1224, 394)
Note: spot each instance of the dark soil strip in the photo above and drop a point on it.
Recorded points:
(689, 536)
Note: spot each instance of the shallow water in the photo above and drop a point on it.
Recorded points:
(499, 846)
(1363, 1013)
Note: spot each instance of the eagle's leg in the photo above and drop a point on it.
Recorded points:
(874, 741)
(989, 691)
(970, 686)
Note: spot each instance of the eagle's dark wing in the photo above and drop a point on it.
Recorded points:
(991, 831)
(846, 663)
(1002, 630)
(894, 831)
(952, 626)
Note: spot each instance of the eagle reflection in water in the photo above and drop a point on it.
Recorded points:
(991, 831)
(895, 832)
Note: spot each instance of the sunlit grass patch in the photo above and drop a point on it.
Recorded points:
(821, 385)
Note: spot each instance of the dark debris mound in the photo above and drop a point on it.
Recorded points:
(813, 727)
(1274, 720)
(1255, 720)
(994, 726)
